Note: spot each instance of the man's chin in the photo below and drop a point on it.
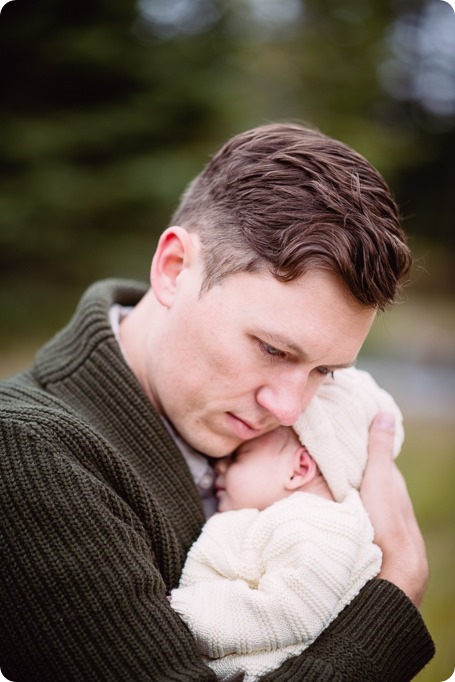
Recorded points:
(216, 447)
(219, 452)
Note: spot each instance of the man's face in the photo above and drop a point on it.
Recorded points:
(249, 354)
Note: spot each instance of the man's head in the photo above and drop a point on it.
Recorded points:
(288, 243)
(285, 199)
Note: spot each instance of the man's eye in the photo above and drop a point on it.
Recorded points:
(325, 371)
(271, 351)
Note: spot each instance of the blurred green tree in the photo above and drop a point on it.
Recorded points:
(108, 109)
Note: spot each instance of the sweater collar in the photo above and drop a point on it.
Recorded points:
(83, 367)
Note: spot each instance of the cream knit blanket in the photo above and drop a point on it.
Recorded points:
(259, 587)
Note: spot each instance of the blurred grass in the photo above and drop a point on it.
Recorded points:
(428, 463)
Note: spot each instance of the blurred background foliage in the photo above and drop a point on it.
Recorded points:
(109, 108)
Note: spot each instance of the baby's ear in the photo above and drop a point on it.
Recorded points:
(303, 469)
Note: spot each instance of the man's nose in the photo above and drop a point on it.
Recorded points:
(287, 397)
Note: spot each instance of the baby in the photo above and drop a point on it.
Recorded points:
(294, 544)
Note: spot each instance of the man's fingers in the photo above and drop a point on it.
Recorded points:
(386, 498)
(380, 448)
(382, 432)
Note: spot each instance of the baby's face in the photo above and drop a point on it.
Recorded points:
(255, 475)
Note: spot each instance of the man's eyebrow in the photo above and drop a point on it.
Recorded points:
(282, 342)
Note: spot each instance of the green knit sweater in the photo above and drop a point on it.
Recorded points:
(98, 510)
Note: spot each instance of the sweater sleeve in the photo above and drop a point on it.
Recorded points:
(83, 574)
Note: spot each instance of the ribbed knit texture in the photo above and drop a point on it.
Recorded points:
(98, 511)
(278, 576)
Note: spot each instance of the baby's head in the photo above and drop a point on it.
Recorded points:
(265, 470)
(325, 452)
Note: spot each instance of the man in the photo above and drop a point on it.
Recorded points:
(278, 258)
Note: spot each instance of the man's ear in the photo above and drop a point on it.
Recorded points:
(173, 253)
(303, 469)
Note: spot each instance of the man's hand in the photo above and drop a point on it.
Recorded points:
(387, 501)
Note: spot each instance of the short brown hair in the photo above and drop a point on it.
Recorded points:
(286, 198)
